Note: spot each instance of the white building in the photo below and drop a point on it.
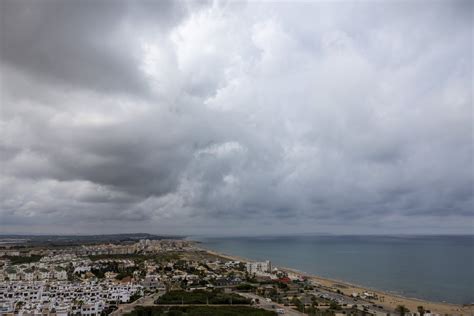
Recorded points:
(93, 308)
(259, 267)
(64, 298)
(60, 274)
(28, 275)
(82, 269)
(12, 274)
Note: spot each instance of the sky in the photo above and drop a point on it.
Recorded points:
(236, 118)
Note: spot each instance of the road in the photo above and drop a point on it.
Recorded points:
(349, 300)
(150, 299)
(272, 306)
(147, 300)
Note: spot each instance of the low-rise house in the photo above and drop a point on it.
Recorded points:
(82, 269)
(92, 308)
(60, 274)
(11, 274)
(63, 298)
(227, 282)
(43, 274)
(152, 282)
(28, 274)
(110, 275)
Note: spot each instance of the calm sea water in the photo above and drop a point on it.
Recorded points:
(436, 268)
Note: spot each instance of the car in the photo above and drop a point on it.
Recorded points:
(280, 311)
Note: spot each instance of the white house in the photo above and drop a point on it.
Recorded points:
(92, 308)
(43, 274)
(82, 269)
(12, 274)
(60, 274)
(28, 275)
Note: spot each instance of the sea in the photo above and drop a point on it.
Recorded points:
(434, 268)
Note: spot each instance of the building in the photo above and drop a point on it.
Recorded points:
(152, 282)
(11, 274)
(259, 267)
(60, 274)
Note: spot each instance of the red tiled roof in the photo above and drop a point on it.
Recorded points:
(284, 280)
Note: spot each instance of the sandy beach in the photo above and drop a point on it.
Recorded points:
(387, 300)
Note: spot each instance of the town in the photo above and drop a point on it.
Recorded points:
(162, 276)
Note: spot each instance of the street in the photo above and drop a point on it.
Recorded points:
(272, 306)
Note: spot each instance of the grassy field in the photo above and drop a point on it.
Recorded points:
(200, 311)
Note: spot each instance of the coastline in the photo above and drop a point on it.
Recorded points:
(387, 300)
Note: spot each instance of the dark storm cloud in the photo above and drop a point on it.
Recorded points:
(86, 43)
(190, 116)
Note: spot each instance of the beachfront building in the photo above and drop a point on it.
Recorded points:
(259, 267)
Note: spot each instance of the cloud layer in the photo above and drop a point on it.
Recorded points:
(232, 117)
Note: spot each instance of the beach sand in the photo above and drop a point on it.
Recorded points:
(388, 300)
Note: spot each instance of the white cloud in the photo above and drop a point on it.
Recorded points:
(312, 113)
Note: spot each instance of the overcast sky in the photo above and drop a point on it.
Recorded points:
(236, 118)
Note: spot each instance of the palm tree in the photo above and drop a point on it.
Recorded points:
(402, 310)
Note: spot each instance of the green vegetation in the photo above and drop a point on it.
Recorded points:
(135, 296)
(402, 310)
(421, 310)
(283, 286)
(22, 259)
(298, 304)
(246, 287)
(335, 306)
(100, 271)
(200, 311)
(128, 272)
(201, 297)
(312, 311)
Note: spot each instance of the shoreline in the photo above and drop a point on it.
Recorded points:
(390, 300)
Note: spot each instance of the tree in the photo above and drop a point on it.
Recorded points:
(335, 306)
(135, 296)
(402, 310)
(421, 310)
(20, 304)
(299, 305)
